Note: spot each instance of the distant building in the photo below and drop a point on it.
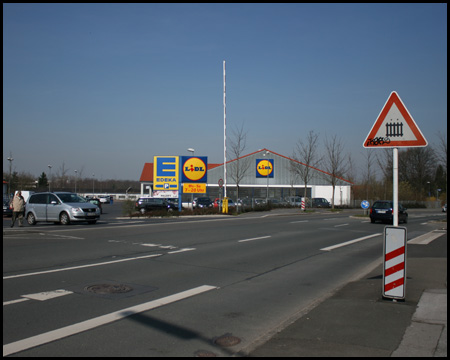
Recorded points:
(262, 174)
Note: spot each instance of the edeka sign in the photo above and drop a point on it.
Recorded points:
(264, 168)
(165, 172)
(194, 169)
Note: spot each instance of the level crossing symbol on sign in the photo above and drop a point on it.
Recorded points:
(394, 127)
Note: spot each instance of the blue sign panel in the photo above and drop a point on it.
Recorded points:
(165, 172)
(264, 168)
(194, 169)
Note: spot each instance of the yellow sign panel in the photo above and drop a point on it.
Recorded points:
(194, 188)
(165, 172)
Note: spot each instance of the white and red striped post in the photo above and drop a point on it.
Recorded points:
(394, 262)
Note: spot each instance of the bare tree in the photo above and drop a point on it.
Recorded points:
(61, 175)
(306, 155)
(441, 154)
(335, 162)
(369, 173)
(239, 166)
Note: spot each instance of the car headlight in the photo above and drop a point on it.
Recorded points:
(77, 210)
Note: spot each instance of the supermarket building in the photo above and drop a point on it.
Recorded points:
(260, 174)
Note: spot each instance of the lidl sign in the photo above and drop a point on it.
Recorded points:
(264, 168)
(194, 169)
(165, 172)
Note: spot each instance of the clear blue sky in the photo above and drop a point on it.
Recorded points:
(105, 87)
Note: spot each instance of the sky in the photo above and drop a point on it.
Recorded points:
(102, 88)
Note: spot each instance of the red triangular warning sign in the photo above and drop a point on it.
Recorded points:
(394, 127)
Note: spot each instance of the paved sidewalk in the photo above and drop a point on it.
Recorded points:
(357, 321)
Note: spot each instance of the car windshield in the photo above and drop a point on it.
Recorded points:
(71, 198)
(382, 205)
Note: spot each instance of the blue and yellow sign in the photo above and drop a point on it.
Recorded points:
(194, 169)
(264, 168)
(165, 172)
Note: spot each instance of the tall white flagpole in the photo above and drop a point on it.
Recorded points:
(224, 134)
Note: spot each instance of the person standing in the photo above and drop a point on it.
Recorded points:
(18, 208)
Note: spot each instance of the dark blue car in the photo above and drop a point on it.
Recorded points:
(383, 210)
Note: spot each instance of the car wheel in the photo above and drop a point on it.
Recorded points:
(142, 211)
(64, 218)
(31, 219)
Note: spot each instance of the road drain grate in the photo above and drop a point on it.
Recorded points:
(108, 288)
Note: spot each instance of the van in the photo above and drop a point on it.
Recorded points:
(60, 207)
(320, 203)
(25, 194)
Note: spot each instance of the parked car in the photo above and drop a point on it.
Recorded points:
(60, 207)
(320, 203)
(104, 199)
(145, 204)
(444, 208)
(218, 203)
(202, 202)
(96, 201)
(7, 211)
(383, 210)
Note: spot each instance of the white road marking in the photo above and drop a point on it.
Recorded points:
(300, 221)
(14, 301)
(57, 334)
(349, 242)
(257, 238)
(42, 296)
(81, 266)
(340, 225)
(181, 250)
(425, 238)
(46, 295)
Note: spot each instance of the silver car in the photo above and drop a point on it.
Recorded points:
(60, 207)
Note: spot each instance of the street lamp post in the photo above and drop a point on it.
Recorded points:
(192, 194)
(10, 159)
(75, 181)
(50, 178)
(267, 168)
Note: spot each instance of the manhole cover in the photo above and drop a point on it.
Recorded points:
(108, 288)
(205, 353)
(227, 340)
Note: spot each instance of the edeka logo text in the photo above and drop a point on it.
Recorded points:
(194, 169)
(264, 168)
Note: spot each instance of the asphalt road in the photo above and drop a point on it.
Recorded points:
(180, 286)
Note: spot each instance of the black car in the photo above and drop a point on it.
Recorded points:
(383, 210)
(146, 204)
(7, 211)
(202, 202)
(320, 203)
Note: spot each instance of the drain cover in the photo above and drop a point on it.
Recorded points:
(205, 353)
(227, 340)
(108, 288)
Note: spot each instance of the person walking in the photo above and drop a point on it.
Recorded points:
(18, 208)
